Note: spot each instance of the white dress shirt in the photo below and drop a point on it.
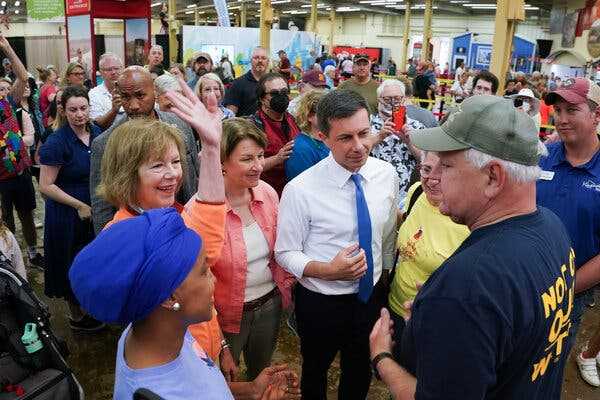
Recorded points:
(100, 101)
(317, 218)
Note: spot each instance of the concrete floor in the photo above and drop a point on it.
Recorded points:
(93, 356)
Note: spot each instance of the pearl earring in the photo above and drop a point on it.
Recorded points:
(176, 307)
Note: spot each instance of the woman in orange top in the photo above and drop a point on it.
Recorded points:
(142, 169)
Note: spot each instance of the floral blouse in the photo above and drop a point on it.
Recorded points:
(393, 150)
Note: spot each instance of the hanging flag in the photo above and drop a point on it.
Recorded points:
(222, 13)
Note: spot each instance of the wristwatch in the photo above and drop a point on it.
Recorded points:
(377, 359)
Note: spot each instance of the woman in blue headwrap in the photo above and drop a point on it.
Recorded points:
(157, 285)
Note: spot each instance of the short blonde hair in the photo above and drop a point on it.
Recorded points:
(210, 76)
(307, 106)
(128, 147)
(70, 67)
(237, 129)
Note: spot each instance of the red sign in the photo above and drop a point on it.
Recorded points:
(374, 53)
(78, 7)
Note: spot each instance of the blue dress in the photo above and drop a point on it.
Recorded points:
(64, 233)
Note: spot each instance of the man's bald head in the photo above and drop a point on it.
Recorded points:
(137, 92)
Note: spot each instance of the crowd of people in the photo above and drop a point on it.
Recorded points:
(197, 210)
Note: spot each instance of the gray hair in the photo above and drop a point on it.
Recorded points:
(211, 76)
(156, 46)
(391, 82)
(164, 83)
(518, 173)
(109, 56)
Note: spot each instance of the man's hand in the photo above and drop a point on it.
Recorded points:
(227, 365)
(277, 382)
(84, 211)
(387, 129)
(380, 339)
(409, 304)
(404, 134)
(345, 266)
(205, 120)
(117, 102)
(285, 152)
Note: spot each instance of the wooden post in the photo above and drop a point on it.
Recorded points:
(173, 29)
(425, 56)
(197, 17)
(405, 37)
(313, 16)
(332, 28)
(508, 13)
(243, 14)
(266, 20)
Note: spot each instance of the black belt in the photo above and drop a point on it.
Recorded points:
(254, 304)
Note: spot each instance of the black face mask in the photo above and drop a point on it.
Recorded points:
(279, 102)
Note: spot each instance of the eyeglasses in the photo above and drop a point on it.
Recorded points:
(111, 69)
(392, 100)
(77, 73)
(282, 92)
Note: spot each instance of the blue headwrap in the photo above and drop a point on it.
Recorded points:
(134, 266)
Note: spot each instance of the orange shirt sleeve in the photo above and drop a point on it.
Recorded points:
(208, 221)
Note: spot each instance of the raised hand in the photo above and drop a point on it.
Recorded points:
(205, 120)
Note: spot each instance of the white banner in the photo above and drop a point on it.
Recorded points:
(222, 13)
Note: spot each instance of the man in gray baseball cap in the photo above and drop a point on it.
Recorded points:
(493, 321)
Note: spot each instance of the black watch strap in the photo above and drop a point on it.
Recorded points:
(377, 359)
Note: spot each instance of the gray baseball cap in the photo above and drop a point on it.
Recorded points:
(490, 124)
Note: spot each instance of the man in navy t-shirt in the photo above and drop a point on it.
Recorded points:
(493, 321)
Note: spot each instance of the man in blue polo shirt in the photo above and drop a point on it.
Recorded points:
(570, 186)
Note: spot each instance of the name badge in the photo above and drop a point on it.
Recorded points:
(547, 175)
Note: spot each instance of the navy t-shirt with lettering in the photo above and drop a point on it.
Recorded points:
(493, 321)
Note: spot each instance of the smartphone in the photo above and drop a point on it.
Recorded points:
(399, 117)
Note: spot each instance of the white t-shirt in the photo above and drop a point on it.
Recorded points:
(259, 280)
(458, 73)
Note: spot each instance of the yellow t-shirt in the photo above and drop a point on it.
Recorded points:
(425, 240)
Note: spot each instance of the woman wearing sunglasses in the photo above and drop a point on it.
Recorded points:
(273, 95)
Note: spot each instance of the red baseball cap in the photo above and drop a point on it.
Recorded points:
(575, 91)
(315, 78)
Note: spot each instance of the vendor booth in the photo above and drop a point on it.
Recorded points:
(479, 55)
(83, 45)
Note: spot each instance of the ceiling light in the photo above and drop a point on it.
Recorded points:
(17, 3)
(281, 1)
(156, 4)
(459, 1)
(320, 5)
(191, 6)
(16, 11)
(347, 9)
(189, 12)
(3, 4)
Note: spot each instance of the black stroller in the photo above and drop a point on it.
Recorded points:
(38, 372)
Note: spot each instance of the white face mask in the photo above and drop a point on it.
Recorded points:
(526, 106)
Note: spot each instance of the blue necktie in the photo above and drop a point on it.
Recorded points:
(365, 286)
